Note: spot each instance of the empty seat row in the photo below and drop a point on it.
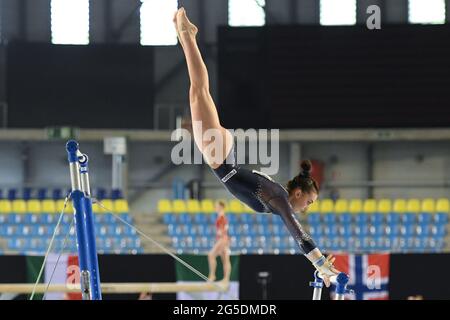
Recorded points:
(52, 219)
(200, 206)
(43, 230)
(280, 244)
(70, 243)
(351, 206)
(20, 206)
(378, 218)
(351, 230)
(169, 218)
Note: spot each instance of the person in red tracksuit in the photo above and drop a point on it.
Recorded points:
(222, 245)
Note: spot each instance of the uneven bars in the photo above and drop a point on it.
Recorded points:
(125, 287)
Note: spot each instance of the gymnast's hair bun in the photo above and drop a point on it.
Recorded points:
(306, 167)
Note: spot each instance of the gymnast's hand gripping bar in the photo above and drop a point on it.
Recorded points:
(87, 253)
(340, 281)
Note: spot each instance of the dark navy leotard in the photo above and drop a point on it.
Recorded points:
(262, 194)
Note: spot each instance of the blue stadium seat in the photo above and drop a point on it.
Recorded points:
(441, 218)
(408, 218)
(393, 230)
(26, 193)
(275, 229)
(336, 244)
(316, 231)
(11, 230)
(100, 194)
(423, 231)
(184, 218)
(438, 231)
(361, 218)
(57, 194)
(424, 218)
(42, 194)
(210, 230)
(116, 194)
(171, 230)
(329, 218)
(232, 218)
(201, 229)
(345, 218)
(393, 218)
(262, 218)
(361, 230)
(408, 230)
(3, 230)
(382, 243)
(436, 245)
(49, 218)
(212, 217)
(345, 230)
(313, 218)
(200, 218)
(169, 218)
(246, 218)
(244, 229)
(377, 218)
(193, 231)
(3, 218)
(12, 194)
(330, 231)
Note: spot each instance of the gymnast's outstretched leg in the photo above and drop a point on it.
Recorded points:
(203, 109)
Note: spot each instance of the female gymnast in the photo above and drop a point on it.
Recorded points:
(221, 247)
(255, 189)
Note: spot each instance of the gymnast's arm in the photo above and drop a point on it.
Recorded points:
(280, 205)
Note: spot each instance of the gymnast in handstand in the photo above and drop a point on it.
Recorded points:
(255, 189)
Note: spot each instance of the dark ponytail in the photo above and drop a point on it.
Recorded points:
(303, 180)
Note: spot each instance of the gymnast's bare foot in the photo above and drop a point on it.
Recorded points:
(185, 28)
(211, 278)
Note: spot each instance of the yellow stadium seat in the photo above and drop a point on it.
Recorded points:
(314, 207)
(19, 206)
(164, 206)
(108, 204)
(341, 206)
(48, 206)
(399, 206)
(207, 206)
(413, 205)
(193, 206)
(369, 206)
(121, 206)
(247, 209)
(442, 205)
(5, 206)
(96, 208)
(34, 206)
(178, 206)
(384, 206)
(428, 205)
(355, 206)
(326, 206)
(60, 206)
(235, 206)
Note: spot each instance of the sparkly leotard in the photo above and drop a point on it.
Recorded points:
(262, 194)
